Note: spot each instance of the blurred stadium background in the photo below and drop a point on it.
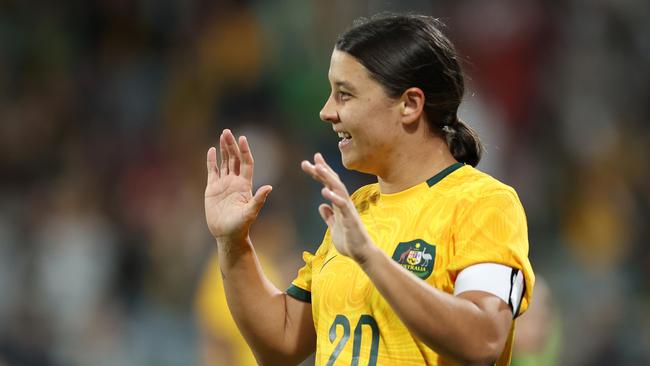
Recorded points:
(108, 107)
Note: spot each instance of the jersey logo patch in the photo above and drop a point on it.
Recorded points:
(417, 256)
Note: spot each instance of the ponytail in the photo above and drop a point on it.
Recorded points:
(463, 141)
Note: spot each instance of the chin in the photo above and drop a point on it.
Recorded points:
(348, 162)
(351, 163)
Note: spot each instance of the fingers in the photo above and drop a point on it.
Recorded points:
(313, 171)
(331, 179)
(213, 171)
(323, 173)
(247, 162)
(255, 204)
(325, 169)
(338, 201)
(334, 190)
(224, 154)
(310, 169)
(320, 160)
(234, 155)
(327, 213)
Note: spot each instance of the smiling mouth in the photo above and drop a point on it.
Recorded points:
(344, 135)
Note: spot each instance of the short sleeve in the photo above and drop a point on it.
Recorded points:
(300, 287)
(493, 229)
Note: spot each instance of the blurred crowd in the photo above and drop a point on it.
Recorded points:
(107, 109)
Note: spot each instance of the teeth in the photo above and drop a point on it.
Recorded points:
(344, 135)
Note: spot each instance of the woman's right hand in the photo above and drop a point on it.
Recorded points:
(230, 206)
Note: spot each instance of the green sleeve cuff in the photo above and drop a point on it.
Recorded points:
(299, 294)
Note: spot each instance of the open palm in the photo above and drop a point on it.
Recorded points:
(230, 206)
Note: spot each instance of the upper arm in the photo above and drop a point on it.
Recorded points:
(289, 338)
(299, 331)
(493, 229)
(297, 337)
(495, 291)
(496, 316)
(491, 234)
(300, 334)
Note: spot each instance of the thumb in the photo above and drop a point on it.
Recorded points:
(255, 204)
(327, 213)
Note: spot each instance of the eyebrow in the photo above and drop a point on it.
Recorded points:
(346, 85)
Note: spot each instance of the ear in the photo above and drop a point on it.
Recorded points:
(412, 105)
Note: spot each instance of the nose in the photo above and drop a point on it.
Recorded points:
(329, 112)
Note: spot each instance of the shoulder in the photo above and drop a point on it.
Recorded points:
(473, 186)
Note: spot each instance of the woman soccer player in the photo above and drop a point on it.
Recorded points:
(429, 266)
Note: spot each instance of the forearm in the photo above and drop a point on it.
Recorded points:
(257, 306)
(452, 326)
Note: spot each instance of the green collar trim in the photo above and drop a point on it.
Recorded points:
(445, 172)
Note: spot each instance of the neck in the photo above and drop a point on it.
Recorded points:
(418, 163)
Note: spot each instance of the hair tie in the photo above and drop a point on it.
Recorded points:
(448, 130)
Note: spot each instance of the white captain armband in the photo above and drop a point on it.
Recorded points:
(501, 281)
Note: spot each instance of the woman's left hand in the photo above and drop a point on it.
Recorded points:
(349, 236)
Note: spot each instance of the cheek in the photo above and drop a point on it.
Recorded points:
(382, 122)
(370, 121)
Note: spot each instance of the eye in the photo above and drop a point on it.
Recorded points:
(344, 95)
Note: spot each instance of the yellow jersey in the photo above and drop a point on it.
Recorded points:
(458, 218)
